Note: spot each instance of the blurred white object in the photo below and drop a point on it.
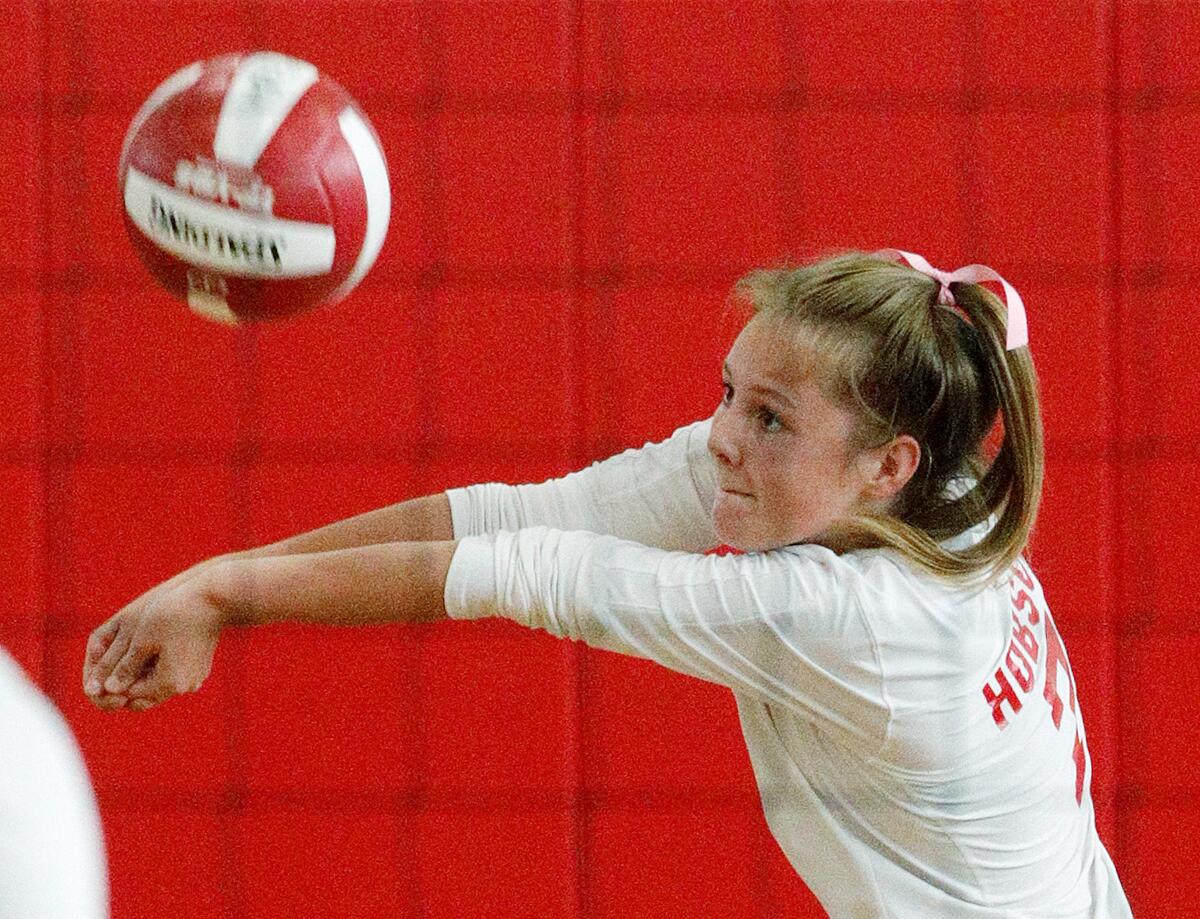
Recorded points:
(52, 863)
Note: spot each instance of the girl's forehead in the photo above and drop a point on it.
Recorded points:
(779, 353)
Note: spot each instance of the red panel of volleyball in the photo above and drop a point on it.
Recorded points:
(254, 187)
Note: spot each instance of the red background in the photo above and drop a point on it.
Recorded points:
(576, 186)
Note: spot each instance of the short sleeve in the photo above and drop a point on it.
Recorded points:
(660, 494)
(785, 627)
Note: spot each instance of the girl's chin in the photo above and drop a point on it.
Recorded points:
(736, 529)
(733, 530)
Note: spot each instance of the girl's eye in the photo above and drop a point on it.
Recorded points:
(771, 422)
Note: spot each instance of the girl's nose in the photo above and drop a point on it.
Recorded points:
(721, 443)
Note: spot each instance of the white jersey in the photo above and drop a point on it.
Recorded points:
(52, 862)
(918, 748)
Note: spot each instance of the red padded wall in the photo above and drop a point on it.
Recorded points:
(575, 187)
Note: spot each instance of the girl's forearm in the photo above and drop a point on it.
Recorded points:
(425, 519)
(386, 582)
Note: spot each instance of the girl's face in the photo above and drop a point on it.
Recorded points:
(785, 466)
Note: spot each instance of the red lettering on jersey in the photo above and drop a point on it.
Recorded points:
(1024, 636)
(997, 698)
(1024, 648)
(1056, 656)
(1023, 676)
(1023, 574)
(1022, 600)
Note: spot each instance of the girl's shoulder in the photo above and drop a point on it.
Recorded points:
(898, 597)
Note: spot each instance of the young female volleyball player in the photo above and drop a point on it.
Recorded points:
(905, 697)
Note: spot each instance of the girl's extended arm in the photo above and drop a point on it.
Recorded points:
(386, 582)
(418, 519)
(423, 519)
(165, 647)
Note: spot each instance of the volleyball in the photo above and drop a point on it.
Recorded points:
(254, 187)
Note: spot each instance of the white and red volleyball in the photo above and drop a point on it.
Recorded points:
(254, 187)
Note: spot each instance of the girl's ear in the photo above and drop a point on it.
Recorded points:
(887, 469)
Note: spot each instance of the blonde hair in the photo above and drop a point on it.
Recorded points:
(903, 364)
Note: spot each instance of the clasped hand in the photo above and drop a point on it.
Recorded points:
(156, 647)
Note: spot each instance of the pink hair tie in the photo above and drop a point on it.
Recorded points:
(1018, 323)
